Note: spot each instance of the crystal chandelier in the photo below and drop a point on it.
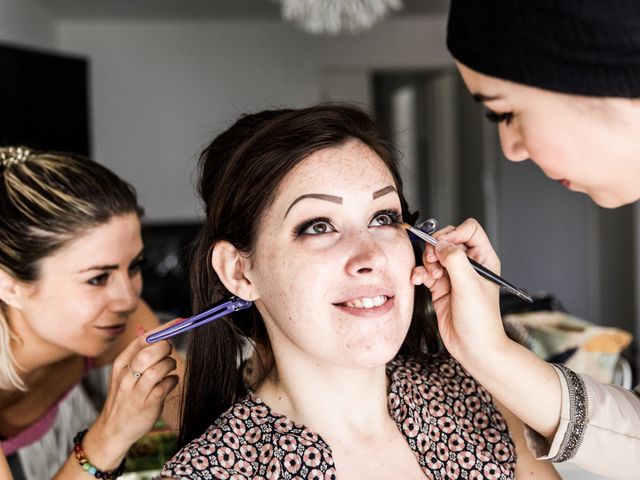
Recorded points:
(332, 17)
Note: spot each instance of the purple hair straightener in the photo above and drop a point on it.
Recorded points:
(220, 309)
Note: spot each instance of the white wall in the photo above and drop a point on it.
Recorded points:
(26, 23)
(160, 90)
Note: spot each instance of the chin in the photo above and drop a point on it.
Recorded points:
(372, 354)
(608, 201)
(93, 349)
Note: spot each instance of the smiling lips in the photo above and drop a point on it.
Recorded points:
(366, 302)
(367, 306)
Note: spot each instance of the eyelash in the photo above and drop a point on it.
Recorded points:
(101, 279)
(499, 117)
(394, 215)
(98, 281)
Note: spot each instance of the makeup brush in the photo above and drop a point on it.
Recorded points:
(483, 271)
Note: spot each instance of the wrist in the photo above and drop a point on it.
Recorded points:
(102, 449)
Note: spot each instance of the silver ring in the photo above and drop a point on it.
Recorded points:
(136, 374)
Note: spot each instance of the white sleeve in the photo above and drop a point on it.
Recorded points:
(599, 427)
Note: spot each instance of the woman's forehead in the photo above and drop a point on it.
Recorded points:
(345, 167)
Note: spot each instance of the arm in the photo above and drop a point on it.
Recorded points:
(468, 312)
(469, 321)
(527, 466)
(132, 406)
(4, 467)
(591, 433)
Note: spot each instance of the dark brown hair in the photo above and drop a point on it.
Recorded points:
(239, 174)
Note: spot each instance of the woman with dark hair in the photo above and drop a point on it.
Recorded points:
(303, 217)
(562, 81)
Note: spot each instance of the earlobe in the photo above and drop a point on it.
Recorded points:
(9, 289)
(232, 268)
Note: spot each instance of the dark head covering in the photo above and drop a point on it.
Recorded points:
(586, 47)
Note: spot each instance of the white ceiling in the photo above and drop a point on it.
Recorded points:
(195, 9)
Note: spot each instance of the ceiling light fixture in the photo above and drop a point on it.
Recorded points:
(333, 17)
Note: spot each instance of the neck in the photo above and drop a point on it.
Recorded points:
(338, 402)
(32, 354)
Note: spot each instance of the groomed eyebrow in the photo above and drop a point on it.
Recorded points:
(111, 267)
(384, 191)
(319, 196)
(336, 199)
(481, 98)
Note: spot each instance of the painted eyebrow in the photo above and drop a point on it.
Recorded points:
(111, 267)
(336, 199)
(384, 191)
(481, 98)
(320, 196)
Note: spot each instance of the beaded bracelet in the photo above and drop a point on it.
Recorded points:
(86, 465)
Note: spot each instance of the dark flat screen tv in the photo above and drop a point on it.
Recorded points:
(44, 99)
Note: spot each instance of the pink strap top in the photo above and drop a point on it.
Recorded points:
(43, 424)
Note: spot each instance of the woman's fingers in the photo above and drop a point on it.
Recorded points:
(473, 240)
(469, 232)
(126, 356)
(156, 373)
(434, 278)
(161, 389)
(443, 231)
(461, 274)
(133, 363)
(150, 355)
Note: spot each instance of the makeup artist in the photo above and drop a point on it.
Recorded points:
(70, 256)
(562, 82)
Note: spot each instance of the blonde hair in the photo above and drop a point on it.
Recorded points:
(46, 200)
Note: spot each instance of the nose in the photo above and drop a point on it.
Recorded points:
(125, 295)
(512, 143)
(366, 255)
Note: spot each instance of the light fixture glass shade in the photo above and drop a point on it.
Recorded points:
(332, 17)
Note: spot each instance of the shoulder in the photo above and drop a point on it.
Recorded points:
(448, 417)
(250, 441)
(442, 391)
(439, 374)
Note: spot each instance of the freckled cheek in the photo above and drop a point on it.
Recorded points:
(399, 251)
(286, 281)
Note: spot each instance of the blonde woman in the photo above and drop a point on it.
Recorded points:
(70, 284)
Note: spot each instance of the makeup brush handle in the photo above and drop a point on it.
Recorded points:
(489, 275)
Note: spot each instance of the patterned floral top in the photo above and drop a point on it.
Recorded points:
(447, 418)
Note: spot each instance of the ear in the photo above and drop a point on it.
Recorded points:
(232, 268)
(9, 289)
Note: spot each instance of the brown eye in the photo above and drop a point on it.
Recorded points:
(316, 226)
(386, 218)
(99, 280)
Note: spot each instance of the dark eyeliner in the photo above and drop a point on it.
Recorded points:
(299, 230)
(498, 117)
(393, 214)
(99, 280)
